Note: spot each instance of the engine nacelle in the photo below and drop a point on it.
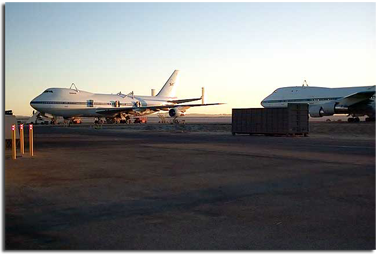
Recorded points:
(176, 112)
(314, 111)
(339, 109)
(327, 109)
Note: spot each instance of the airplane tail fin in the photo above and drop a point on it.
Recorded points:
(168, 89)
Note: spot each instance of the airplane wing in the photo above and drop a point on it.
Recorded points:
(113, 111)
(187, 106)
(356, 98)
(184, 100)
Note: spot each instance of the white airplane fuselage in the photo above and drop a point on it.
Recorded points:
(72, 103)
(76, 103)
(320, 98)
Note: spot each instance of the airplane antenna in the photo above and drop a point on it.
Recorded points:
(304, 83)
(73, 85)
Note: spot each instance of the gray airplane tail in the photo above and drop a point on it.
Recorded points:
(168, 89)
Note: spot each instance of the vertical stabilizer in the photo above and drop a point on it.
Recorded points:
(168, 89)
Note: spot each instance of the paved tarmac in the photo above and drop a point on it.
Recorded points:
(129, 189)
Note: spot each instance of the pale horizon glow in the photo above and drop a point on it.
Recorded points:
(240, 52)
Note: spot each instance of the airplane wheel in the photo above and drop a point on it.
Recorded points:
(353, 120)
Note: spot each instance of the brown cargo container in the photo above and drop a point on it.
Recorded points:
(292, 120)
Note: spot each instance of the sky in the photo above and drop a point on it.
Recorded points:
(240, 52)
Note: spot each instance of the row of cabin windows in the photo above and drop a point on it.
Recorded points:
(58, 102)
(89, 103)
(303, 100)
(116, 104)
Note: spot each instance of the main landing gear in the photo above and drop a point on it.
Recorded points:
(98, 120)
(370, 119)
(356, 119)
(353, 120)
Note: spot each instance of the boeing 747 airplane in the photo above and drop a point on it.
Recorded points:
(322, 101)
(71, 103)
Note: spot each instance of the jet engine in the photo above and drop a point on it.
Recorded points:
(176, 112)
(314, 111)
(327, 109)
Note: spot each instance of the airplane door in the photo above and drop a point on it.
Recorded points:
(116, 104)
(90, 103)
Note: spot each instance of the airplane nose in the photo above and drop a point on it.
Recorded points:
(33, 103)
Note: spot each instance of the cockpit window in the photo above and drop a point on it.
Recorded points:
(48, 91)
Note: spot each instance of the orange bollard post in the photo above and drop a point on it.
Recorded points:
(14, 152)
(31, 151)
(22, 142)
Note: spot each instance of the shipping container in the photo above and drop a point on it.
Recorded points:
(292, 120)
